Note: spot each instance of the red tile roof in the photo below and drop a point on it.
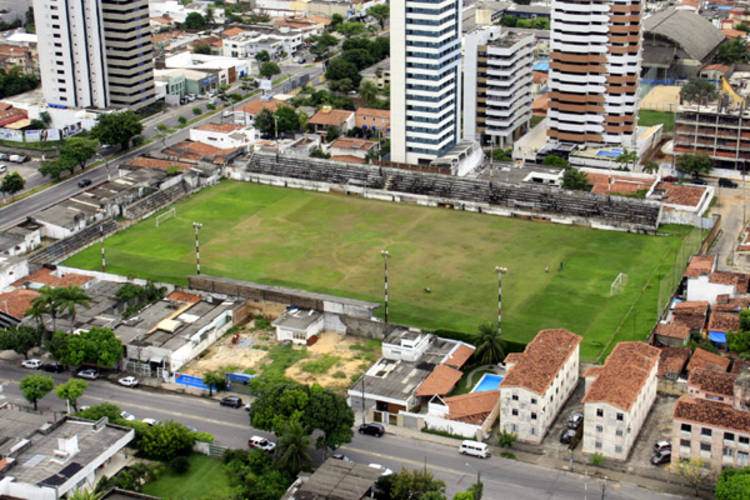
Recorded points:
(739, 280)
(623, 375)
(44, 276)
(158, 164)
(725, 304)
(353, 143)
(722, 68)
(733, 33)
(184, 297)
(701, 358)
(679, 194)
(723, 322)
(441, 381)
(535, 369)
(460, 355)
(331, 117)
(700, 265)
(675, 330)
(16, 303)
(540, 105)
(691, 307)
(472, 408)
(372, 112)
(712, 381)
(713, 413)
(672, 360)
(225, 128)
(255, 107)
(193, 149)
(349, 159)
(616, 184)
(232, 31)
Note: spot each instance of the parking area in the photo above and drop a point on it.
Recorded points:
(551, 443)
(657, 427)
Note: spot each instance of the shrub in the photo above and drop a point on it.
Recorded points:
(261, 323)
(320, 366)
(507, 454)
(203, 437)
(339, 374)
(179, 464)
(596, 459)
(197, 111)
(211, 106)
(506, 439)
(182, 120)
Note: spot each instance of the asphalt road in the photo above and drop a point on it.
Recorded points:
(502, 478)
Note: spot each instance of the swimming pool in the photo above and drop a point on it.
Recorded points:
(488, 382)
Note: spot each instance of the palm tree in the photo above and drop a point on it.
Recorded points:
(294, 444)
(368, 91)
(84, 494)
(46, 302)
(37, 311)
(627, 157)
(651, 167)
(69, 298)
(489, 345)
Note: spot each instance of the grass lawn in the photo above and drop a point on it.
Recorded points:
(331, 243)
(205, 479)
(647, 118)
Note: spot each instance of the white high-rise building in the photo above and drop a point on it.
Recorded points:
(595, 64)
(497, 85)
(95, 53)
(425, 78)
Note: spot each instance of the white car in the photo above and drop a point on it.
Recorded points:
(127, 416)
(34, 364)
(128, 381)
(384, 471)
(261, 443)
(150, 421)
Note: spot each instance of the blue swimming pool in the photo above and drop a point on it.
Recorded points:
(488, 382)
(191, 381)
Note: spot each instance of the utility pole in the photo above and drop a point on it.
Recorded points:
(363, 399)
(276, 134)
(101, 243)
(500, 271)
(385, 255)
(197, 226)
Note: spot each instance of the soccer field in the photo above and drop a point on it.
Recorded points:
(331, 243)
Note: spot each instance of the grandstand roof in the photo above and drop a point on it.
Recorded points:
(695, 34)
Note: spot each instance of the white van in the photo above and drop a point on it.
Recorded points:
(474, 448)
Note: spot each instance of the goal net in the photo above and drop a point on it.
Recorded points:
(169, 214)
(618, 284)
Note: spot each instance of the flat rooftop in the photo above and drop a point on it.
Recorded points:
(297, 319)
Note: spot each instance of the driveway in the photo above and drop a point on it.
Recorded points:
(729, 205)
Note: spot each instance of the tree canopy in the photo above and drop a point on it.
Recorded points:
(20, 338)
(489, 345)
(268, 69)
(694, 164)
(699, 90)
(341, 69)
(575, 179)
(71, 390)
(194, 22)
(98, 346)
(732, 52)
(12, 183)
(35, 387)
(14, 82)
(117, 128)
(380, 12)
(733, 484)
(166, 440)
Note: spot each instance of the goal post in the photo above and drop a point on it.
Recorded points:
(169, 214)
(618, 284)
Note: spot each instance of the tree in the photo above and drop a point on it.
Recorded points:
(265, 123)
(651, 167)
(506, 439)
(112, 412)
(54, 169)
(555, 161)
(698, 90)
(626, 158)
(575, 179)
(209, 16)
(293, 449)
(262, 56)
(380, 12)
(213, 379)
(509, 20)
(319, 153)
(12, 183)
(288, 120)
(98, 346)
(694, 164)
(361, 58)
(117, 128)
(202, 48)
(70, 297)
(502, 154)
(84, 494)
(79, 149)
(277, 404)
(332, 134)
(182, 120)
(732, 52)
(268, 69)
(194, 22)
(20, 338)
(13, 82)
(368, 91)
(35, 387)
(47, 302)
(166, 440)
(349, 29)
(695, 471)
(733, 484)
(329, 413)
(413, 484)
(71, 390)
(339, 69)
(489, 345)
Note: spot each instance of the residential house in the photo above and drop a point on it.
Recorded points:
(225, 135)
(191, 151)
(247, 113)
(719, 324)
(619, 395)
(25, 58)
(300, 326)
(682, 204)
(352, 149)
(228, 69)
(54, 278)
(377, 121)
(701, 358)
(470, 415)
(712, 423)
(379, 73)
(339, 119)
(705, 283)
(537, 383)
(20, 239)
(693, 314)
(672, 361)
(336, 479)
(10, 114)
(13, 306)
(673, 334)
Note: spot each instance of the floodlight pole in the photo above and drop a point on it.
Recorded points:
(101, 243)
(385, 255)
(500, 271)
(197, 226)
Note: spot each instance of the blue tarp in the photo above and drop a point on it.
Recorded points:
(541, 66)
(717, 337)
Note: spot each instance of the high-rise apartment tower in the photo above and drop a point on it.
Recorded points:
(425, 78)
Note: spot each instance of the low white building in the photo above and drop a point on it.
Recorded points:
(225, 135)
(179, 11)
(298, 325)
(537, 383)
(228, 69)
(12, 269)
(619, 395)
(275, 41)
(705, 283)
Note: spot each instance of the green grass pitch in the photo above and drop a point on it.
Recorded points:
(331, 243)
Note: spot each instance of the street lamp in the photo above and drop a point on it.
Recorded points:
(500, 270)
(197, 226)
(385, 255)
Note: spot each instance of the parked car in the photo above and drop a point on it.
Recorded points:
(33, 364)
(660, 446)
(341, 456)
(233, 401)
(670, 178)
(89, 373)
(372, 429)
(18, 158)
(150, 421)
(3, 168)
(190, 97)
(575, 420)
(384, 471)
(84, 183)
(128, 381)
(567, 436)
(4, 156)
(699, 182)
(127, 416)
(53, 366)
(662, 457)
(248, 406)
(474, 448)
(261, 443)
(727, 183)
(228, 114)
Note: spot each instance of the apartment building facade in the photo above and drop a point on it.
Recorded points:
(95, 53)
(594, 71)
(538, 382)
(497, 85)
(721, 132)
(425, 38)
(712, 423)
(619, 395)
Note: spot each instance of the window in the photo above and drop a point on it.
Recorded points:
(705, 432)
(618, 449)
(599, 412)
(685, 443)
(706, 447)
(514, 412)
(741, 458)
(744, 440)
(599, 428)
(514, 397)
(728, 436)
(533, 431)
(533, 401)
(686, 428)
(598, 445)
(620, 416)
(728, 452)
(618, 433)
(533, 416)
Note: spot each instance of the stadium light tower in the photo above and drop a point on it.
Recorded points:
(500, 271)
(385, 255)
(101, 244)
(197, 226)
